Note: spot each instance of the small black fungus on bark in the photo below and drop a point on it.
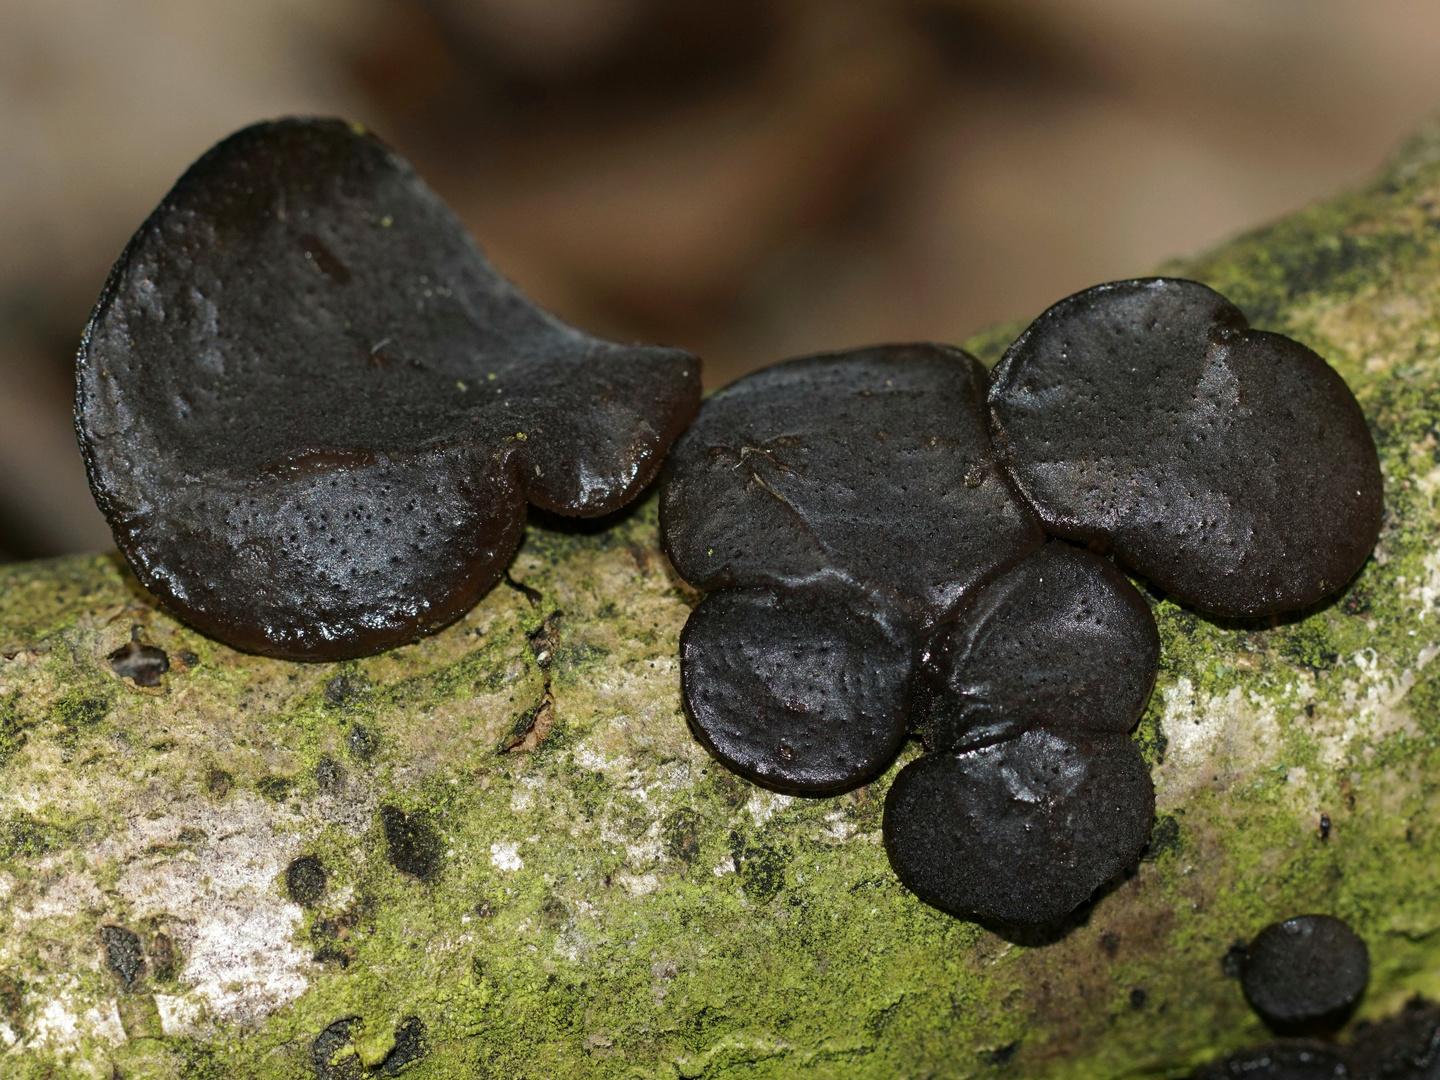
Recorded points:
(305, 879)
(1062, 639)
(124, 954)
(140, 662)
(1305, 972)
(362, 742)
(1023, 831)
(1230, 466)
(313, 413)
(329, 775)
(414, 846)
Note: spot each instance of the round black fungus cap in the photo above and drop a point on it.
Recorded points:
(1306, 970)
(1230, 466)
(803, 689)
(873, 466)
(1285, 1059)
(1021, 831)
(313, 413)
(1062, 639)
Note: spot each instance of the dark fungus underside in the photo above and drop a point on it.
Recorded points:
(1230, 466)
(313, 413)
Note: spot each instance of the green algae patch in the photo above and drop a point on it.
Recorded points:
(531, 869)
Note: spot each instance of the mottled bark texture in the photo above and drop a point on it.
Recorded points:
(517, 862)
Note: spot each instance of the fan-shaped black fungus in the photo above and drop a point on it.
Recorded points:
(1021, 831)
(1230, 466)
(873, 466)
(801, 689)
(1308, 970)
(1062, 639)
(1286, 1059)
(313, 413)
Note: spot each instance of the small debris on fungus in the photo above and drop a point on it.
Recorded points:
(1305, 971)
(1231, 467)
(313, 413)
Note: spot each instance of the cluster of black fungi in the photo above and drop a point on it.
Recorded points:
(314, 415)
(1304, 977)
(895, 542)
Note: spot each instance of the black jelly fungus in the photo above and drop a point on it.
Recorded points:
(313, 413)
(836, 507)
(851, 465)
(1284, 1059)
(801, 689)
(124, 955)
(305, 879)
(1022, 831)
(1405, 1046)
(412, 842)
(1061, 639)
(1307, 970)
(1230, 466)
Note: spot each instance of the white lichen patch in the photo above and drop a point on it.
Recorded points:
(506, 857)
(1213, 740)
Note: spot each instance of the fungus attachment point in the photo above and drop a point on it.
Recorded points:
(1022, 831)
(1061, 639)
(1230, 466)
(1306, 971)
(799, 689)
(313, 413)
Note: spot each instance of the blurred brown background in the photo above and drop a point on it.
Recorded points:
(749, 178)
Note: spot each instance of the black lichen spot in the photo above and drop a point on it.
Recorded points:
(362, 742)
(313, 413)
(28, 837)
(1138, 997)
(411, 1045)
(79, 710)
(123, 954)
(345, 689)
(1061, 639)
(274, 788)
(413, 843)
(681, 829)
(144, 664)
(800, 689)
(333, 1052)
(329, 776)
(1001, 1055)
(1164, 838)
(162, 956)
(1020, 832)
(218, 782)
(760, 866)
(1306, 973)
(1232, 467)
(305, 879)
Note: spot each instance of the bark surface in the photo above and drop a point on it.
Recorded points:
(515, 861)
